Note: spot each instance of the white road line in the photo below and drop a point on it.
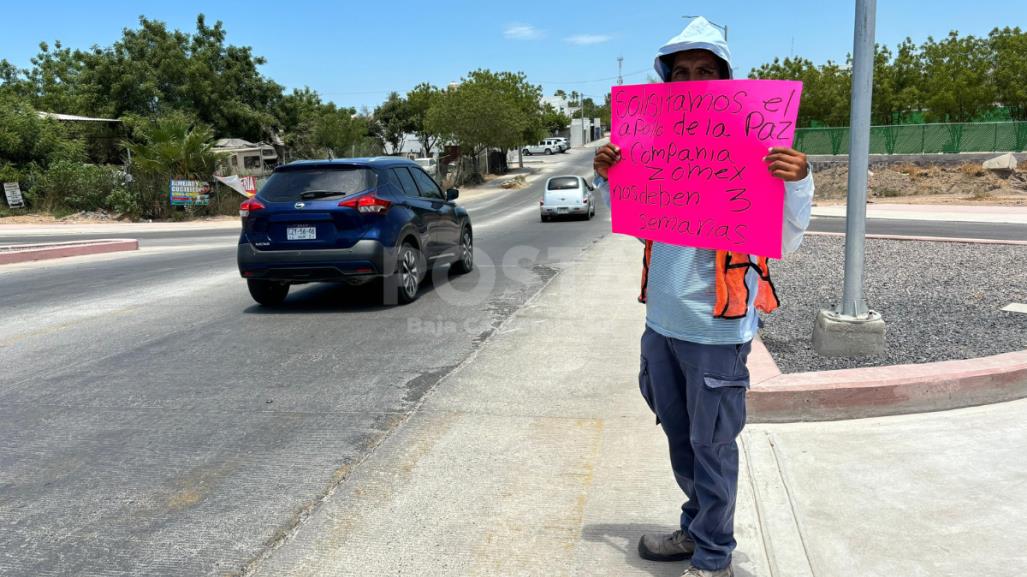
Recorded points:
(1015, 308)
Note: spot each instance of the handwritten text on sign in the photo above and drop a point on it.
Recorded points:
(692, 171)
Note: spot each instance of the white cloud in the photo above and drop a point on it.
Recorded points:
(586, 39)
(517, 31)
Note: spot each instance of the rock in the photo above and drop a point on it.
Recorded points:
(1004, 163)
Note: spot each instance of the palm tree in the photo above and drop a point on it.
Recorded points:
(175, 147)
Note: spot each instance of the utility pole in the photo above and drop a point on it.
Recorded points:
(852, 329)
(581, 105)
(620, 70)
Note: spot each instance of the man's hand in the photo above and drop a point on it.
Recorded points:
(787, 164)
(606, 156)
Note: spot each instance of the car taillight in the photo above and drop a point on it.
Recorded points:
(541, 202)
(250, 205)
(368, 203)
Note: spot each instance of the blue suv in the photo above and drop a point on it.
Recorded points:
(351, 221)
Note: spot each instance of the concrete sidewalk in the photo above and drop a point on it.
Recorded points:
(538, 457)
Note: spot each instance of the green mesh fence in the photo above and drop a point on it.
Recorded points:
(920, 138)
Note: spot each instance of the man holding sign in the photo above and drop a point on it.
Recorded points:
(701, 168)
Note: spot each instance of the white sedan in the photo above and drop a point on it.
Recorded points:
(567, 196)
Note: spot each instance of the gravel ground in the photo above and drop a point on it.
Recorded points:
(940, 301)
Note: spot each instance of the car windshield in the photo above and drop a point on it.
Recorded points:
(312, 183)
(564, 183)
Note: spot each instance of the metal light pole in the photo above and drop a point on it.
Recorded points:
(853, 304)
(584, 133)
(852, 329)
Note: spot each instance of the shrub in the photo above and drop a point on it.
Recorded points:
(76, 186)
(9, 174)
(124, 201)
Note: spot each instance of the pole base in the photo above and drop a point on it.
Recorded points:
(837, 335)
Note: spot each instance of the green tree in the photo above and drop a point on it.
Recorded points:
(419, 101)
(26, 140)
(554, 120)
(328, 131)
(292, 110)
(825, 89)
(392, 120)
(54, 79)
(528, 99)
(174, 146)
(483, 112)
(907, 74)
(1009, 47)
(957, 78)
(10, 81)
(152, 70)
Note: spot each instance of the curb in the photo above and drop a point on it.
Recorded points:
(882, 391)
(10, 254)
(924, 238)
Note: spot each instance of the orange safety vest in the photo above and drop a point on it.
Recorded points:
(732, 291)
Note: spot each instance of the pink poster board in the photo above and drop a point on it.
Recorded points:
(692, 171)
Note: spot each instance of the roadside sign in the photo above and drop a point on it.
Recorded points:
(13, 193)
(244, 185)
(693, 171)
(249, 184)
(189, 193)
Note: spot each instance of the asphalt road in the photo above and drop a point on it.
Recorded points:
(155, 421)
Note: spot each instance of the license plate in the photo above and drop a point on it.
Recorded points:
(562, 209)
(301, 233)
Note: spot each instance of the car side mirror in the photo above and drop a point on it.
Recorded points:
(452, 194)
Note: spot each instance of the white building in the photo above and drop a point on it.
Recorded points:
(583, 131)
(560, 103)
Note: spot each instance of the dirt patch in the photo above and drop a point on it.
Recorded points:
(926, 184)
(519, 181)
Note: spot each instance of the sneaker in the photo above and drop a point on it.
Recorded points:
(694, 571)
(676, 546)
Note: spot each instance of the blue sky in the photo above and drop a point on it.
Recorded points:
(355, 53)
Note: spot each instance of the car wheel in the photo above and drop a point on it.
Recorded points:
(466, 262)
(267, 293)
(549, 151)
(526, 152)
(544, 218)
(406, 281)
